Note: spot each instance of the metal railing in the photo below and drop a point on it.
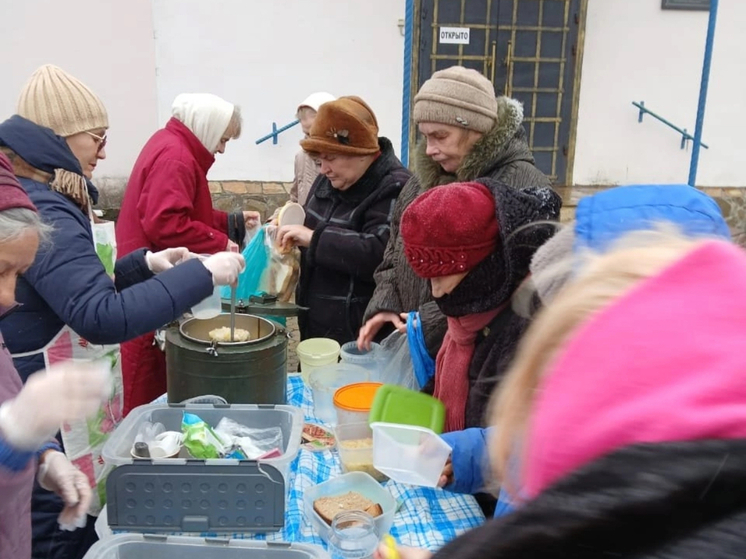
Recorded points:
(685, 136)
(276, 132)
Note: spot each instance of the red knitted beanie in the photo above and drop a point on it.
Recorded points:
(449, 229)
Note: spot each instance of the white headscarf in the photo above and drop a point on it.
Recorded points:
(315, 100)
(206, 115)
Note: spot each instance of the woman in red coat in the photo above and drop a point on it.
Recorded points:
(167, 204)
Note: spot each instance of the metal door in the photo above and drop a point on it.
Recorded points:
(527, 48)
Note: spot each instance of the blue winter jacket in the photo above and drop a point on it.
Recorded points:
(599, 220)
(67, 283)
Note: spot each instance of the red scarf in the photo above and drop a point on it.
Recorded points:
(452, 364)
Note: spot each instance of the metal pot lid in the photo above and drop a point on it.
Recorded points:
(264, 306)
(198, 330)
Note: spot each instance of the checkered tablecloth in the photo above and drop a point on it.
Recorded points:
(427, 518)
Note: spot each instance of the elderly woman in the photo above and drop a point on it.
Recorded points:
(71, 305)
(347, 218)
(306, 169)
(467, 134)
(30, 415)
(600, 220)
(167, 204)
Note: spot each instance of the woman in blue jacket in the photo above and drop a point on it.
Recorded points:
(77, 300)
(599, 220)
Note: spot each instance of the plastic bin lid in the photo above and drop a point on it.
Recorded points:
(196, 497)
(396, 404)
(356, 397)
(137, 546)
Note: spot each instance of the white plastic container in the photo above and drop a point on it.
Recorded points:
(316, 352)
(326, 380)
(360, 483)
(355, 447)
(409, 454)
(371, 360)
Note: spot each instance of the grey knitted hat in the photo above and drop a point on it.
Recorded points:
(551, 265)
(457, 96)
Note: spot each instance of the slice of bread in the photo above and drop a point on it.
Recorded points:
(329, 507)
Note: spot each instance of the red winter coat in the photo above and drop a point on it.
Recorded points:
(167, 204)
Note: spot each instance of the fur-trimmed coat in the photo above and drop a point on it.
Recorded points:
(501, 154)
(677, 500)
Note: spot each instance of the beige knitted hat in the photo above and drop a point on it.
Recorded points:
(457, 96)
(55, 99)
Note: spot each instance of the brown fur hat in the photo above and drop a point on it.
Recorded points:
(346, 126)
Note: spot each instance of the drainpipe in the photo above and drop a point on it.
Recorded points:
(406, 93)
(703, 92)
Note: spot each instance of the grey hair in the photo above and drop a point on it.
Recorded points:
(16, 221)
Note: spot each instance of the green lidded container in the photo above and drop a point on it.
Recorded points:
(396, 404)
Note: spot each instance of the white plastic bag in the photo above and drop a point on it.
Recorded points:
(253, 442)
(396, 362)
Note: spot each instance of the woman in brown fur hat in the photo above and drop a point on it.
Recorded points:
(347, 218)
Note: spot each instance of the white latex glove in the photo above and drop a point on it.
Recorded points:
(165, 259)
(65, 392)
(225, 267)
(57, 474)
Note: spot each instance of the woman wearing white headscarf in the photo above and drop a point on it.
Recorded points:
(306, 169)
(167, 204)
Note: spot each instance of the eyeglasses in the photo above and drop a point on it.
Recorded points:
(100, 140)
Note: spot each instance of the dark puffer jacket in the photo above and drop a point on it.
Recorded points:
(502, 154)
(351, 229)
(678, 500)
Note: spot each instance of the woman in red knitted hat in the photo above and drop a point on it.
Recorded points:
(474, 243)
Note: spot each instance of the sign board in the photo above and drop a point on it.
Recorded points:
(685, 4)
(454, 36)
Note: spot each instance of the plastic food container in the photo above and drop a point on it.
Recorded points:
(355, 447)
(117, 450)
(188, 495)
(136, 546)
(409, 454)
(396, 404)
(370, 360)
(353, 402)
(326, 380)
(316, 352)
(360, 483)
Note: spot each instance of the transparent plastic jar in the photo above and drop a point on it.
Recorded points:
(353, 536)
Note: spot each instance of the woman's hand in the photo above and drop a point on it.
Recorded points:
(446, 476)
(251, 219)
(294, 235)
(165, 259)
(374, 325)
(59, 475)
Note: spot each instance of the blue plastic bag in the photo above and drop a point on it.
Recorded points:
(257, 259)
(423, 364)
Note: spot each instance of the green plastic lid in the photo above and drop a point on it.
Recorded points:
(396, 404)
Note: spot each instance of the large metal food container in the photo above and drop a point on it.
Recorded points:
(251, 372)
